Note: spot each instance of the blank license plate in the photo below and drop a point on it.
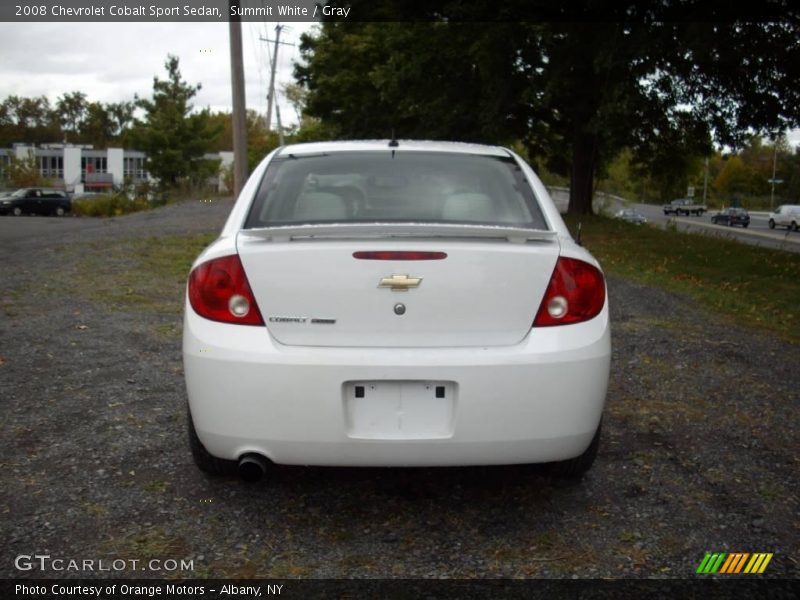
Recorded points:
(399, 410)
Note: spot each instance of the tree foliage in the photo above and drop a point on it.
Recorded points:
(24, 172)
(173, 136)
(574, 92)
(72, 118)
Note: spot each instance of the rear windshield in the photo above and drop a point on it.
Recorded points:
(364, 187)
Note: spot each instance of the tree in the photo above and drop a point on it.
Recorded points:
(260, 142)
(28, 121)
(71, 109)
(120, 115)
(24, 172)
(575, 91)
(426, 80)
(97, 127)
(173, 137)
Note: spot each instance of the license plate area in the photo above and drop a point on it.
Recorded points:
(399, 410)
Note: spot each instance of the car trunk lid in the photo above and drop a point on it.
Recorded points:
(313, 291)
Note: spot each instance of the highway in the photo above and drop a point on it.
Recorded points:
(757, 234)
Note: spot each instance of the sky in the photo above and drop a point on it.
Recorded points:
(110, 62)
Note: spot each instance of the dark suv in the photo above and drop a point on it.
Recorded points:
(731, 216)
(40, 201)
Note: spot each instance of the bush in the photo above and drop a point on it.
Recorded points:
(107, 205)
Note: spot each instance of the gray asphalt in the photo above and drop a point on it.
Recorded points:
(699, 450)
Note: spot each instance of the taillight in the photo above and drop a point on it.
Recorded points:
(576, 293)
(218, 290)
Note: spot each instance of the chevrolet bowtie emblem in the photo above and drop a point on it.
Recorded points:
(400, 283)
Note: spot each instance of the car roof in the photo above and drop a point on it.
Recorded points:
(402, 146)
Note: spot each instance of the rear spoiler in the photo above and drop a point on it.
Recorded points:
(517, 235)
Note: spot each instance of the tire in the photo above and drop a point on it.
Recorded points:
(206, 462)
(575, 468)
(59, 211)
(793, 226)
(745, 225)
(16, 211)
(771, 224)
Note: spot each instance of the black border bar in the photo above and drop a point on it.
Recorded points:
(396, 10)
(529, 589)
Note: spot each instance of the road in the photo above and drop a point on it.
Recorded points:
(757, 234)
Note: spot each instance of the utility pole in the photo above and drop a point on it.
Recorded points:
(705, 182)
(774, 168)
(239, 115)
(271, 93)
(278, 118)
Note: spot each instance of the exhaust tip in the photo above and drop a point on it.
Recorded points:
(252, 467)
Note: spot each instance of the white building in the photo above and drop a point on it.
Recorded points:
(79, 168)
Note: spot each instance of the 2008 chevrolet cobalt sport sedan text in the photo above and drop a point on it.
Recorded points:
(394, 303)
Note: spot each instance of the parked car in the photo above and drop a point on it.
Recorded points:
(631, 216)
(41, 201)
(787, 215)
(383, 303)
(731, 216)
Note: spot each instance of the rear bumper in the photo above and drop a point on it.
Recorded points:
(537, 401)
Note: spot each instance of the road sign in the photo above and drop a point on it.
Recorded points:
(690, 192)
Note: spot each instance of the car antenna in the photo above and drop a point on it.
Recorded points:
(393, 143)
(578, 237)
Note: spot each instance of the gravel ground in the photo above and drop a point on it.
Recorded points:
(699, 450)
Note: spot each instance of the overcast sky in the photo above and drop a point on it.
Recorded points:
(111, 62)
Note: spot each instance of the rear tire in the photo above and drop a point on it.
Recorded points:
(59, 211)
(202, 458)
(17, 211)
(794, 226)
(575, 468)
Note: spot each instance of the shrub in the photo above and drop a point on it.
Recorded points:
(108, 205)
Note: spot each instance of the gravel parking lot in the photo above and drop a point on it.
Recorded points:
(700, 451)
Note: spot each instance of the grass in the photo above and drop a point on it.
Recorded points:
(143, 273)
(753, 286)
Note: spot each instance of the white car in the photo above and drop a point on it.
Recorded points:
(386, 303)
(787, 216)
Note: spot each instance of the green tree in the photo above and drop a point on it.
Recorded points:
(260, 142)
(120, 115)
(28, 121)
(24, 172)
(173, 136)
(71, 109)
(97, 127)
(574, 91)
